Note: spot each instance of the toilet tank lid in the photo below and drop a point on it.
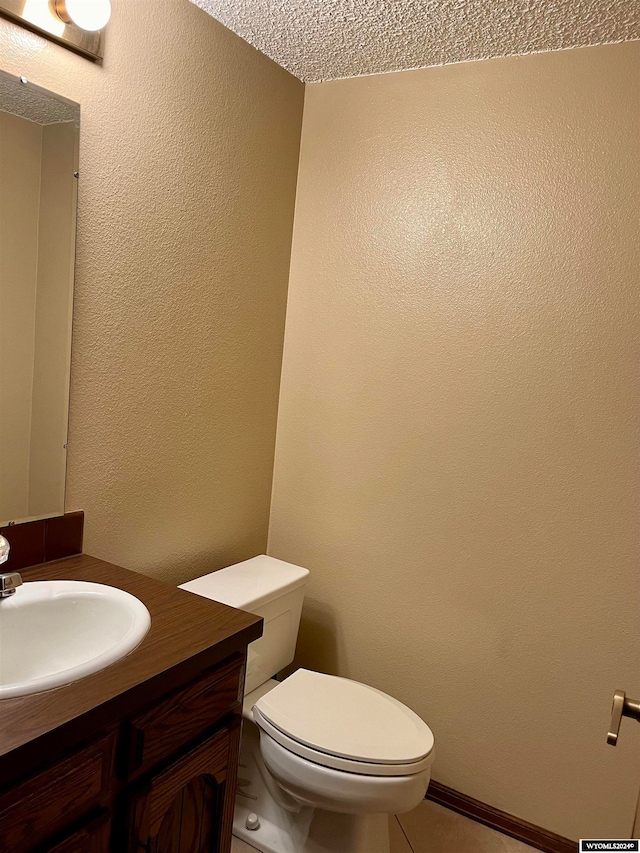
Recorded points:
(250, 584)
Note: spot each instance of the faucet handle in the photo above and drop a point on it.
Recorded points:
(9, 583)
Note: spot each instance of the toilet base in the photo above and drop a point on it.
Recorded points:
(289, 827)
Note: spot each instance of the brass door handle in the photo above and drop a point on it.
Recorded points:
(622, 707)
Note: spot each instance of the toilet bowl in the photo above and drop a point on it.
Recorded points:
(324, 760)
(340, 791)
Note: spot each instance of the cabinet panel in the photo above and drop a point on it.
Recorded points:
(93, 838)
(188, 807)
(190, 823)
(183, 715)
(36, 809)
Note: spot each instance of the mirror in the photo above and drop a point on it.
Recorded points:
(39, 136)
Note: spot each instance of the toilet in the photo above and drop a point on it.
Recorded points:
(324, 760)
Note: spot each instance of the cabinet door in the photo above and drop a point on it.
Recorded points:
(188, 808)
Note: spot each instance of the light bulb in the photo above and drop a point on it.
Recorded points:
(90, 15)
(4, 549)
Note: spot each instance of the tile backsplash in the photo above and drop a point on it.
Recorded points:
(46, 540)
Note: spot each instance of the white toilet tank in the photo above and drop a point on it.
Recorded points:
(269, 588)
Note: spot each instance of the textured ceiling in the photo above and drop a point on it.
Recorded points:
(329, 39)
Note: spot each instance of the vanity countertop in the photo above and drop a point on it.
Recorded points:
(188, 634)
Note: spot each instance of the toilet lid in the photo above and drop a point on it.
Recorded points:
(343, 718)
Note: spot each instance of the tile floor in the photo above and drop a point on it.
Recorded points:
(431, 828)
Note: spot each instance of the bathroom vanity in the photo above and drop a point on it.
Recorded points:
(138, 758)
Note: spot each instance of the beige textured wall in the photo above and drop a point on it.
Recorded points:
(20, 161)
(188, 161)
(53, 312)
(457, 449)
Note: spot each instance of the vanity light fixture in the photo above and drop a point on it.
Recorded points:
(76, 24)
(89, 15)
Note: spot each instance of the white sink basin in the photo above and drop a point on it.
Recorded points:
(56, 632)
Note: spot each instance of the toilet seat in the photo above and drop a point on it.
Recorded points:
(345, 725)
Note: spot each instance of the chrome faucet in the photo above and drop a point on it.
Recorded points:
(9, 581)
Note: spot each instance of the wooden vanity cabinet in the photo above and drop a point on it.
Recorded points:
(186, 804)
(162, 780)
